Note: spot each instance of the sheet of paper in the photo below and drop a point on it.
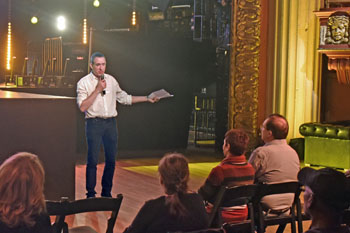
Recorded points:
(160, 94)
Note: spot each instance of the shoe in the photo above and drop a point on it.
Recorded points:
(90, 194)
(106, 195)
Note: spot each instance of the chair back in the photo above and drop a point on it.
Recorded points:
(231, 196)
(346, 217)
(279, 188)
(62, 208)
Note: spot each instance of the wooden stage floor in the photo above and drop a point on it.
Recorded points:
(137, 180)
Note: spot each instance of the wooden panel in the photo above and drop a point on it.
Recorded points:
(46, 126)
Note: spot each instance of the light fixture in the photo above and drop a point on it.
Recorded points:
(8, 58)
(133, 18)
(9, 37)
(85, 23)
(85, 32)
(34, 20)
(61, 23)
(96, 3)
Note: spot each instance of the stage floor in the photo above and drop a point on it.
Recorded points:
(138, 181)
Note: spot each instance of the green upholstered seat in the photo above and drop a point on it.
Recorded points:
(326, 144)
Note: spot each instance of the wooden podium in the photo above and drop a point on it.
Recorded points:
(46, 126)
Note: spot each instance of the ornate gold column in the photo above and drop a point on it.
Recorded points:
(292, 78)
(244, 65)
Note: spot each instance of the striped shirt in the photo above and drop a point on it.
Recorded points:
(232, 171)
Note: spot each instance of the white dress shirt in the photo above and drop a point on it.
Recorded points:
(104, 106)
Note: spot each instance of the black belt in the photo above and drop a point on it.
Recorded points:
(278, 212)
(99, 118)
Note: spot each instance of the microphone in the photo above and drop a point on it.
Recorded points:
(104, 91)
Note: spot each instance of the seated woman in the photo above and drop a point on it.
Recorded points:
(22, 202)
(177, 210)
(234, 170)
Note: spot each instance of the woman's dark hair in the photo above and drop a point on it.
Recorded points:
(21, 190)
(174, 175)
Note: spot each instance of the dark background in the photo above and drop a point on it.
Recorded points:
(150, 57)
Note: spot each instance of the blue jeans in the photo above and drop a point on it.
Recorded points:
(99, 130)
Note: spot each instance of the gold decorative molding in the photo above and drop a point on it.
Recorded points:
(334, 41)
(333, 3)
(244, 65)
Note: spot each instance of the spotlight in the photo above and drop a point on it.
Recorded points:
(96, 3)
(61, 23)
(34, 20)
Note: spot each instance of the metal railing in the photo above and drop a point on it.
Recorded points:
(203, 121)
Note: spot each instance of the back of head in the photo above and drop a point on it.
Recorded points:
(278, 125)
(174, 172)
(174, 175)
(21, 189)
(330, 187)
(238, 140)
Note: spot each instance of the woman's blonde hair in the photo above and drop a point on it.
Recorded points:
(21, 189)
(174, 174)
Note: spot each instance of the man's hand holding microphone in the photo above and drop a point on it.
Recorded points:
(101, 85)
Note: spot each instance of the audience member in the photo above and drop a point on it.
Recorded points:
(22, 202)
(232, 171)
(275, 162)
(177, 210)
(326, 196)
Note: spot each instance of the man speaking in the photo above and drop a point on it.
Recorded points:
(97, 94)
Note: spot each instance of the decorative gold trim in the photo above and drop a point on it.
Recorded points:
(244, 65)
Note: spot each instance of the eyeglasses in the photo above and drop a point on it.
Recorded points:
(262, 127)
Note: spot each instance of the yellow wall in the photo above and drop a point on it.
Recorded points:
(294, 80)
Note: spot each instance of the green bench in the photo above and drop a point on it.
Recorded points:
(327, 145)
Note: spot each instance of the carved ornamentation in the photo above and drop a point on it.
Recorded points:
(338, 29)
(244, 67)
(335, 42)
(342, 67)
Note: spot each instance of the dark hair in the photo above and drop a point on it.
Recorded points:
(278, 125)
(94, 55)
(174, 173)
(238, 141)
(329, 186)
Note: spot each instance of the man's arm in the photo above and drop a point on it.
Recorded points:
(140, 99)
(91, 98)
